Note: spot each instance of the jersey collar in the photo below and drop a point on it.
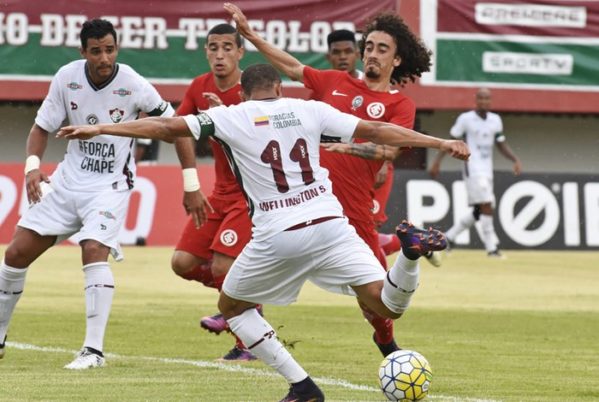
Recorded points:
(105, 83)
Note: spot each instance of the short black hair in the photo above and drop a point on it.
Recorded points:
(341, 35)
(259, 76)
(96, 29)
(415, 56)
(226, 29)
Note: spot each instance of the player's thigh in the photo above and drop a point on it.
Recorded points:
(347, 262)
(25, 247)
(235, 230)
(198, 241)
(480, 190)
(55, 214)
(102, 215)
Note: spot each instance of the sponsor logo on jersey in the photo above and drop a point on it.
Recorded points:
(337, 93)
(357, 102)
(116, 115)
(122, 92)
(73, 86)
(102, 226)
(375, 110)
(228, 237)
(74, 106)
(92, 119)
(108, 215)
(261, 121)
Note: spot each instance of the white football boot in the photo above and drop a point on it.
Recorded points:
(86, 359)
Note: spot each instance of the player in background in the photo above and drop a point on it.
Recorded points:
(390, 52)
(480, 129)
(299, 230)
(205, 253)
(343, 53)
(88, 193)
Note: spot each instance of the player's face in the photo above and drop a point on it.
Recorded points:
(483, 100)
(343, 55)
(223, 54)
(379, 56)
(101, 57)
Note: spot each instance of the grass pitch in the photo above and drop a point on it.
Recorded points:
(521, 329)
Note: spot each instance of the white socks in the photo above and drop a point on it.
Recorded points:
(488, 232)
(260, 338)
(464, 223)
(12, 282)
(99, 289)
(400, 284)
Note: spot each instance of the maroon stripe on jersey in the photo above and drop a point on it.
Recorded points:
(128, 173)
(460, 17)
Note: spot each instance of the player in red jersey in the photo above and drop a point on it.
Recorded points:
(206, 253)
(391, 54)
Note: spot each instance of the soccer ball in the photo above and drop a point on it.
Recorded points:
(405, 375)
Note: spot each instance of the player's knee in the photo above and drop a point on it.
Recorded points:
(93, 250)
(16, 256)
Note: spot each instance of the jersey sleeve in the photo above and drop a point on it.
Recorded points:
(458, 129)
(335, 126)
(152, 103)
(404, 114)
(319, 81)
(499, 136)
(53, 110)
(200, 125)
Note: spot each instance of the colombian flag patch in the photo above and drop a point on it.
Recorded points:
(261, 121)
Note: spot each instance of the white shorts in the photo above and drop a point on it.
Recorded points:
(480, 190)
(87, 215)
(329, 254)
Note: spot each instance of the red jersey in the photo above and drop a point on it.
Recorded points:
(225, 185)
(353, 177)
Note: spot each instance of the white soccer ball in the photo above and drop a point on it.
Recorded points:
(405, 375)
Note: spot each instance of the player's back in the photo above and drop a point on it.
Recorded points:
(273, 145)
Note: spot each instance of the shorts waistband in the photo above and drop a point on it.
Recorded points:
(310, 223)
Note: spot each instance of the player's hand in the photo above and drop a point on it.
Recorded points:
(517, 168)
(33, 181)
(241, 22)
(196, 204)
(78, 132)
(381, 176)
(213, 99)
(338, 147)
(456, 148)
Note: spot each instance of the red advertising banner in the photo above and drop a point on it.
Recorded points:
(155, 210)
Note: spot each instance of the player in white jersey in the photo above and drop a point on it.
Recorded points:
(88, 193)
(299, 230)
(481, 130)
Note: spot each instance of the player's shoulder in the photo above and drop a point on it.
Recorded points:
(202, 79)
(494, 116)
(73, 67)
(469, 115)
(128, 72)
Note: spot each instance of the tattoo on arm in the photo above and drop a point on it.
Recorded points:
(367, 151)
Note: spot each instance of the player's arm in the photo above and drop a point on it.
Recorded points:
(506, 151)
(364, 150)
(37, 141)
(391, 134)
(436, 165)
(281, 60)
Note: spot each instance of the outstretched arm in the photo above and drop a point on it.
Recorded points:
(281, 60)
(364, 150)
(506, 151)
(391, 134)
(156, 128)
(436, 165)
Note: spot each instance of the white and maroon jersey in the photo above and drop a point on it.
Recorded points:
(103, 162)
(480, 135)
(273, 147)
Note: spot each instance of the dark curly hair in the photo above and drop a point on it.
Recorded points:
(415, 56)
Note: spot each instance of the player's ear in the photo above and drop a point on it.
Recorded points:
(396, 61)
(279, 89)
(82, 51)
(242, 96)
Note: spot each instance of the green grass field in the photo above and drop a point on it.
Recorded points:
(521, 329)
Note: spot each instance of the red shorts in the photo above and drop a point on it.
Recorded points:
(381, 196)
(227, 230)
(370, 236)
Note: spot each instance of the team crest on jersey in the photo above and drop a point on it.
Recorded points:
(228, 237)
(375, 110)
(376, 207)
(357, 102)
(92, 119)
(122, 92)
(108, 215)
(116, 115)
(73, 86)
